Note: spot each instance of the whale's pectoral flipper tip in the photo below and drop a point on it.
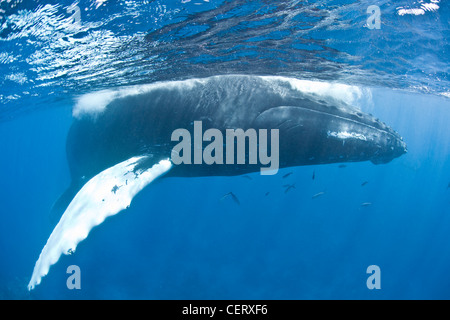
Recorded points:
(93, 204)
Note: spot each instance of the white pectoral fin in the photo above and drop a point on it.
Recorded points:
(104, 195)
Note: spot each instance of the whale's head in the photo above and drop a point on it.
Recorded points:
(365, 137)
(318, 133)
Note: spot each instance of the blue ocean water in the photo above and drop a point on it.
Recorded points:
(180, 239)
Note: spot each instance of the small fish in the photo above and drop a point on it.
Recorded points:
(364, 183)
(289, 187)
(366, 204)
(448, 185)
(342, 166)
(267, 193)
(317, 195)
(287, 175)
(235, 199)
(314, 174)
(247, 177)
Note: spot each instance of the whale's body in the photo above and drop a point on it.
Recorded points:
(112, 127)
(312, 130)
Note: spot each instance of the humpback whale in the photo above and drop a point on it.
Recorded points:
(120, 141)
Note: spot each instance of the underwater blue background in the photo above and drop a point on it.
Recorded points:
(180, 239)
